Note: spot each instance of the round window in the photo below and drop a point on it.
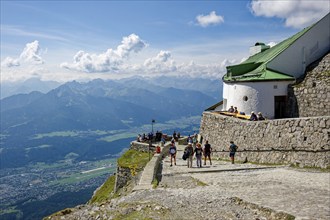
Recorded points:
(245, 98)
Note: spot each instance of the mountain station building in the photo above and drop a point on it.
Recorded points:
(260, 83)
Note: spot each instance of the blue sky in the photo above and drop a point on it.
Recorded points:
(81, 40)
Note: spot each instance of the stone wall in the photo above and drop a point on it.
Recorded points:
(299, 141)
(142, 146)
(123, 175)
(310, 96)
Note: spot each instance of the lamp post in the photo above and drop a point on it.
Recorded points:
(152, 130)
(152, 125)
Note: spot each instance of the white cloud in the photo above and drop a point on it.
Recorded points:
(210, 19)
(297, 14)
(161, 63)
(31, 53)
(108, 61)
(10, 62)
(30, 56)
(227, 62)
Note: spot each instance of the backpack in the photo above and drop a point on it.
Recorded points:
(185, 156)
(233, 148)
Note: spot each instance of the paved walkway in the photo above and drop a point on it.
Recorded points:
(222, 191)
(304, 194)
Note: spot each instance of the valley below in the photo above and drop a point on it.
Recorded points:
(47, 183)
(58, 146)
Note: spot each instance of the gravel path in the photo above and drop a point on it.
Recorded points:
(221, 191)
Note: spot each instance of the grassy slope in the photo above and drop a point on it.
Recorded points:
(135, 160)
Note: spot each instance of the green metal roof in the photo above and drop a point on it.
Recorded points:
(255, 67)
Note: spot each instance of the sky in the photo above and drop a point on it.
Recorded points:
(83, 40)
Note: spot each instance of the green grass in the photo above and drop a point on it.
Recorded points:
(103, 194)
(154, 183)
(134, 158)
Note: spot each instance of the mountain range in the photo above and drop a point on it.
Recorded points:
(95, 105)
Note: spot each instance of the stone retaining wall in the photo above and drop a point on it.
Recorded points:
(310, 96)
(142, 146)
(299, 141)
(124, 175)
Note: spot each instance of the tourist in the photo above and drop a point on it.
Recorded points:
(253, 117)
(158, 149)
(174, 135)
(189, 139)
(198, 153)
(172, 152)
(162, 141)
(231, 109)
(150, 136)
(207, 152)
(235, 110)
(189, 151)
(194, 140)
(232, 150)
(260, 117)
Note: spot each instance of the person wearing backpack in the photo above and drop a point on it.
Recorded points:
(232, 150)
(189, 153)
(172, 152)
(199, 153)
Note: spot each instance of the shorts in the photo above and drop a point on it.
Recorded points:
(207, 154)
(232, 154)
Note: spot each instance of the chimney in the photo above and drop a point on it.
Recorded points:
(257, 48)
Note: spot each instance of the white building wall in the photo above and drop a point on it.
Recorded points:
(308, 48)
(260, 96)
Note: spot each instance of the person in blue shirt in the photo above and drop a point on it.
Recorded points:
(253, 117)
(232, 150)
(172, 152)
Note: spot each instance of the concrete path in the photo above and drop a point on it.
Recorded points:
(304, 194)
